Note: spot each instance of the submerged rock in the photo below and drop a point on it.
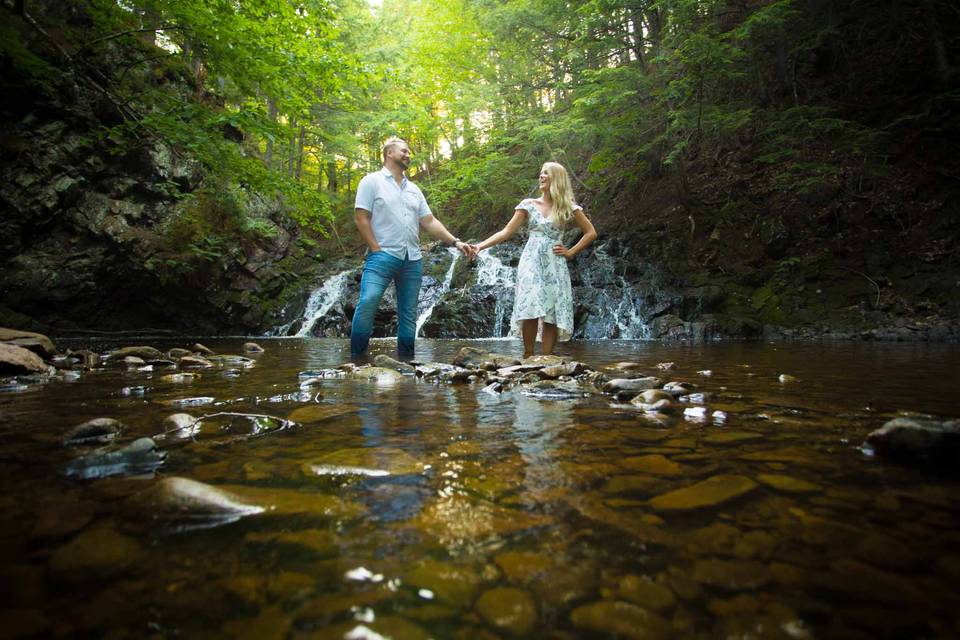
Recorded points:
(914, 439)
(96, 554)
(192, 504)
(252, 347)
(379, 375)
(620, 619)
(139, 457)
(508, 609)
(709, 493)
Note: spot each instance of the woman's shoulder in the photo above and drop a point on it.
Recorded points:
(526, 203)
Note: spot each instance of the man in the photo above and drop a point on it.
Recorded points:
(390, 210)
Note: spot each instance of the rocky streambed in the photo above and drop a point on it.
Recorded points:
(619, 488)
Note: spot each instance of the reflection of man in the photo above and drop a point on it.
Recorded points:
(389, 212)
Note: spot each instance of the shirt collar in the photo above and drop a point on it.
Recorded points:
(386, 173)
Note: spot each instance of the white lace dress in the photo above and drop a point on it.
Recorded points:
(543, 279)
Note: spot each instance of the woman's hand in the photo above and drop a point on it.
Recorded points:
(560, 250)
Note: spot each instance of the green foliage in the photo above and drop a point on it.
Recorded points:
(24, 62)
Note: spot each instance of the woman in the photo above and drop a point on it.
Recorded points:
(543, 303)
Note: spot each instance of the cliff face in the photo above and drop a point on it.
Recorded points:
(86, 233)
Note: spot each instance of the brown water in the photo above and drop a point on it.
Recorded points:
(501, 516)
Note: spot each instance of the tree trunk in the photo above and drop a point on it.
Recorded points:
(300, 141)
(272, 116)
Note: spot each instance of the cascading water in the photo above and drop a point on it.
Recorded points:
(492, 273)
(319, 303)
(430, 303)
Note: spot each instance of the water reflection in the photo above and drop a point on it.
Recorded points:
(557, 512)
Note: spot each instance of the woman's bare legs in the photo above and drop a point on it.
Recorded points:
(549, 338)
(528, 329)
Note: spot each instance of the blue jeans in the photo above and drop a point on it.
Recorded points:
(379, 270)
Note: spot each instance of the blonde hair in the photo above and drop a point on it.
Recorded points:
(390, 143)
(561, 193)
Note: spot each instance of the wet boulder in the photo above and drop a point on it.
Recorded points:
(252, 347)
(36, 342)
(631, 384)
(918, 439)
(387, 362)
(144, 353)
(98, 431)
(16, 360)
(470, 357)
(188, 504)
(565, 369)
(554, 390)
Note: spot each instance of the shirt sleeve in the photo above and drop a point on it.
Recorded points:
(366, 193)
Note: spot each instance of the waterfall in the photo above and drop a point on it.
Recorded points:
(447, 279)
(492, 273)
(319, 303)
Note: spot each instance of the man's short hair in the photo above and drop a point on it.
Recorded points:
(390, 143)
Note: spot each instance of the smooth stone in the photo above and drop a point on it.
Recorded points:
(565, 369)
(180, 378)
(176, 353)
(916, 439)
(523, 567)
(195, 362)
(393, 461)
(508, 609)
(144, 353)
(458, 520)
(543, 361)
(788, 484)
(650, 396)
(631, 384)
(737, 605)
(139, 457)
(645, 592)
(93, 432)
(656, 464)
(711, 492)
(180, 425)
(734, 575)
(96, 554)
(36, 342)
(252, 347)
(468, 357)
(620, 619)
(786, 454)
(15, 359)
(379, 375)
(716, 539)
(283, 502)
(628, 366)
(62, 519)
(386, 362)
(199, 348)
(554, 390)
(176, 499)
(755, 544)
(451, 584)
(630, 484)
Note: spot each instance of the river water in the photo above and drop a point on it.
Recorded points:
(417, 509)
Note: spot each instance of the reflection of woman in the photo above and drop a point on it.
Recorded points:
(543, 297)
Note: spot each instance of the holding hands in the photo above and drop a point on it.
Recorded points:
(468, 250)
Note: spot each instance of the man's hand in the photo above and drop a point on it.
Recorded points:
(467, 250)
